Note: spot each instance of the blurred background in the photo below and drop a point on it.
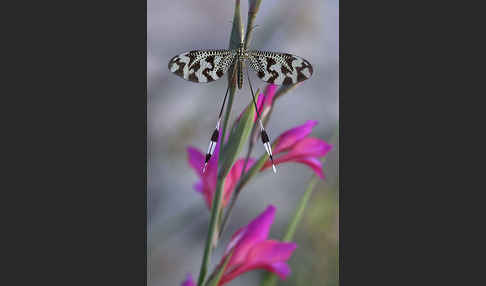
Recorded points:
(182, 113)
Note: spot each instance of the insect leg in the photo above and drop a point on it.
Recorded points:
(215, 135)
(263, 132)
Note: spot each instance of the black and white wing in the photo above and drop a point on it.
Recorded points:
(279, 68)
(202, 66)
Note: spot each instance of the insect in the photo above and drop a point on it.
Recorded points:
(205, 66)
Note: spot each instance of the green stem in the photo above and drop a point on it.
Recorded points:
(252, 11)
(300, 210)
(270, 279)
(212, 229)
(215, 219)
(217, 198)
(237, 189)
(218, 195)
(243, 171)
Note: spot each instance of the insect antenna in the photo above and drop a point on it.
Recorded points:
(215, 135)
(263, 132)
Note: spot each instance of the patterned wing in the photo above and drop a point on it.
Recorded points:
(202, 66)
(279, 68)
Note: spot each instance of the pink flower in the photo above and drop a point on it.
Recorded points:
(300, 148)
(208, 180)
(188, 281)
(264, 103)
(252, 250)
(292, 146)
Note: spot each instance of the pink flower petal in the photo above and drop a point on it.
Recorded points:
(207, 185)
(306, 151)
(251, 250)
(263, 101)
(314, 163)
(290, 137)
(260, 101)
(199, 186)
(282, 269)
(269, 255)
(210, 176)
(196, 159)
(314, 147)
(307, 147)
(246, 237)
(188, 281)
(270, 93)
(233, 177)
(270, 251)
(208, 197)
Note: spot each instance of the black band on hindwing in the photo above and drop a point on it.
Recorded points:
(265, 137)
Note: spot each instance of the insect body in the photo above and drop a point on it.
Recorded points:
(210, 65)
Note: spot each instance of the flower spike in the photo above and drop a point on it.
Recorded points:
(292, 146)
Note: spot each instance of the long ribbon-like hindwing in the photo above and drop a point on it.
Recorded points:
(211, 65)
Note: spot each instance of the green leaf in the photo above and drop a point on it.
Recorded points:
(237, 138)
(236, 33)
(299, 211)
(214, 281)
(215, 210)
(269, 278)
